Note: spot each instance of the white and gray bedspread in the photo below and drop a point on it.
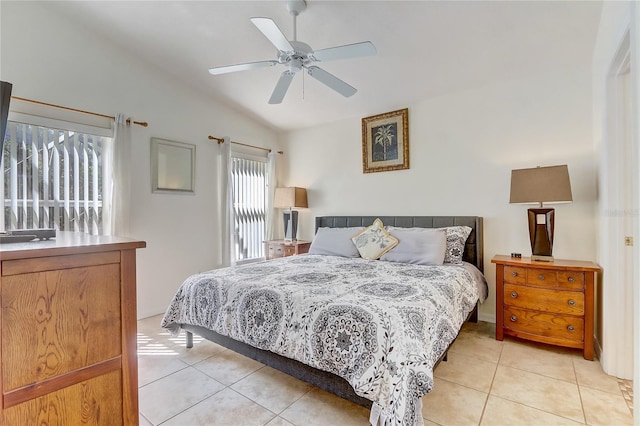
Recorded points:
(380, 325)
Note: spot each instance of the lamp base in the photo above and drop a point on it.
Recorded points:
(290, 219)
(541, 224)
(542, 258)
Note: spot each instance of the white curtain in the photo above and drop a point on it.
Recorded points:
(271, 191)
(117, 180)
(225, 213)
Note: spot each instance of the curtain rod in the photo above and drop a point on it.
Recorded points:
(139, 123)
(221, 140)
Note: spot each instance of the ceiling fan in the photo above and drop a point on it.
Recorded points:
(296, 55)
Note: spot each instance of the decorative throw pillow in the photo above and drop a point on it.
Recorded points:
(335, 242)
(374, 241)
(456, 240)
(421, 246)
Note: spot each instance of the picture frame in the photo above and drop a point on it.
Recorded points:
(385, 141)
(173, 166)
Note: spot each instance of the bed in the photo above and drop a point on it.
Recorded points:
(370, 331)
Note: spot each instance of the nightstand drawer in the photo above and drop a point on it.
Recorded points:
(542, 277)
(544, 324)
(557, 301)
(570, 279)
(281, 248)
(515, 275)
(276, 251)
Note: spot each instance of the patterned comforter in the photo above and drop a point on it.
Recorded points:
(380, 325)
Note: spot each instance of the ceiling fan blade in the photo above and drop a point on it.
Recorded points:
(332, 81)
(281, 87)
(356, 50)
(241, 67)
(273, 33)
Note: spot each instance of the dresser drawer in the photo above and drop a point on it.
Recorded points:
(515, 275)
(562, 327)
(544, 300)
(46, 316)
(289, 250)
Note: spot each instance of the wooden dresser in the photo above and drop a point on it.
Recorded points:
(68, 331)
(281, 248)
(548, 302)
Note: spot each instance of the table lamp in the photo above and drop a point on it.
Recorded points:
(541, 185)
(288, 198)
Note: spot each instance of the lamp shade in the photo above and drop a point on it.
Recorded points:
(541, 184)
(287, 198)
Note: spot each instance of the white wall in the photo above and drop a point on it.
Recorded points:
(463, 147)
(621, 289)
(50, 59)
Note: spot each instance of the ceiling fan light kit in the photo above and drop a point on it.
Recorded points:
(296, 55)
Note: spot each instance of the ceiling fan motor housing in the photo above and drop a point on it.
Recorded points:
(299, 58)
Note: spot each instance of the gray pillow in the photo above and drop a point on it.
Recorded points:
(421, 246)
(335, 242)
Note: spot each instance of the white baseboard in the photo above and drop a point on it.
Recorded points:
(487, 317)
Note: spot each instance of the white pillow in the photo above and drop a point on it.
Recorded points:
(421, 246)
(456, 240)
(374, 241)
(335, 242)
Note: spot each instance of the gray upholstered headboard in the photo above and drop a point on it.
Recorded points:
(473, 249)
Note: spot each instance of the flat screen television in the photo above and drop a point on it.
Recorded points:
(5, 98)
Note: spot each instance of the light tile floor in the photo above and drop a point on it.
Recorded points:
(484, 382)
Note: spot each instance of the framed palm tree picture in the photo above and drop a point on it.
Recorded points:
(385, 142)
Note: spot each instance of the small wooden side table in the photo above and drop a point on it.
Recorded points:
(281, 248)
(548, 302)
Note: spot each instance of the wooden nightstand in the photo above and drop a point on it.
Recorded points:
(548, 302)
(281, 248)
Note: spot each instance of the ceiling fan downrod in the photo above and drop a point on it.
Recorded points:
(295, 8)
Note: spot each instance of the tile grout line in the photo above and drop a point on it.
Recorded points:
(626, 387)
(575, 373)
(484, 408)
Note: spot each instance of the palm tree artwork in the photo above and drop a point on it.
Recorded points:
(385, 142)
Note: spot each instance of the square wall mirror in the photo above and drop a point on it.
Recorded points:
(173, 166)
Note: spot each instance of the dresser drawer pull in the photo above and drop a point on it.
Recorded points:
(513, 318)
(571, 279)
(514, 294)
(541, 277)
(571, 328)
(572, 302)
(514, 274)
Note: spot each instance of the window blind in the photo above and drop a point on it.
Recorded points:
(52, 178)
(249, 178)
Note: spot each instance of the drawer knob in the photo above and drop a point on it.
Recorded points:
(513, 318)
(571, 328)
(514, 274)
(572, 302)
(541, 277)
(571, 279)
(514, 294)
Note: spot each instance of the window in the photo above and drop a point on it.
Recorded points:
(249, 179)
(52, 178)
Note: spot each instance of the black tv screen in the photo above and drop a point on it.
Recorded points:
(5, 98)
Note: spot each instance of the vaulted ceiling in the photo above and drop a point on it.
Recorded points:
(425, 48)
